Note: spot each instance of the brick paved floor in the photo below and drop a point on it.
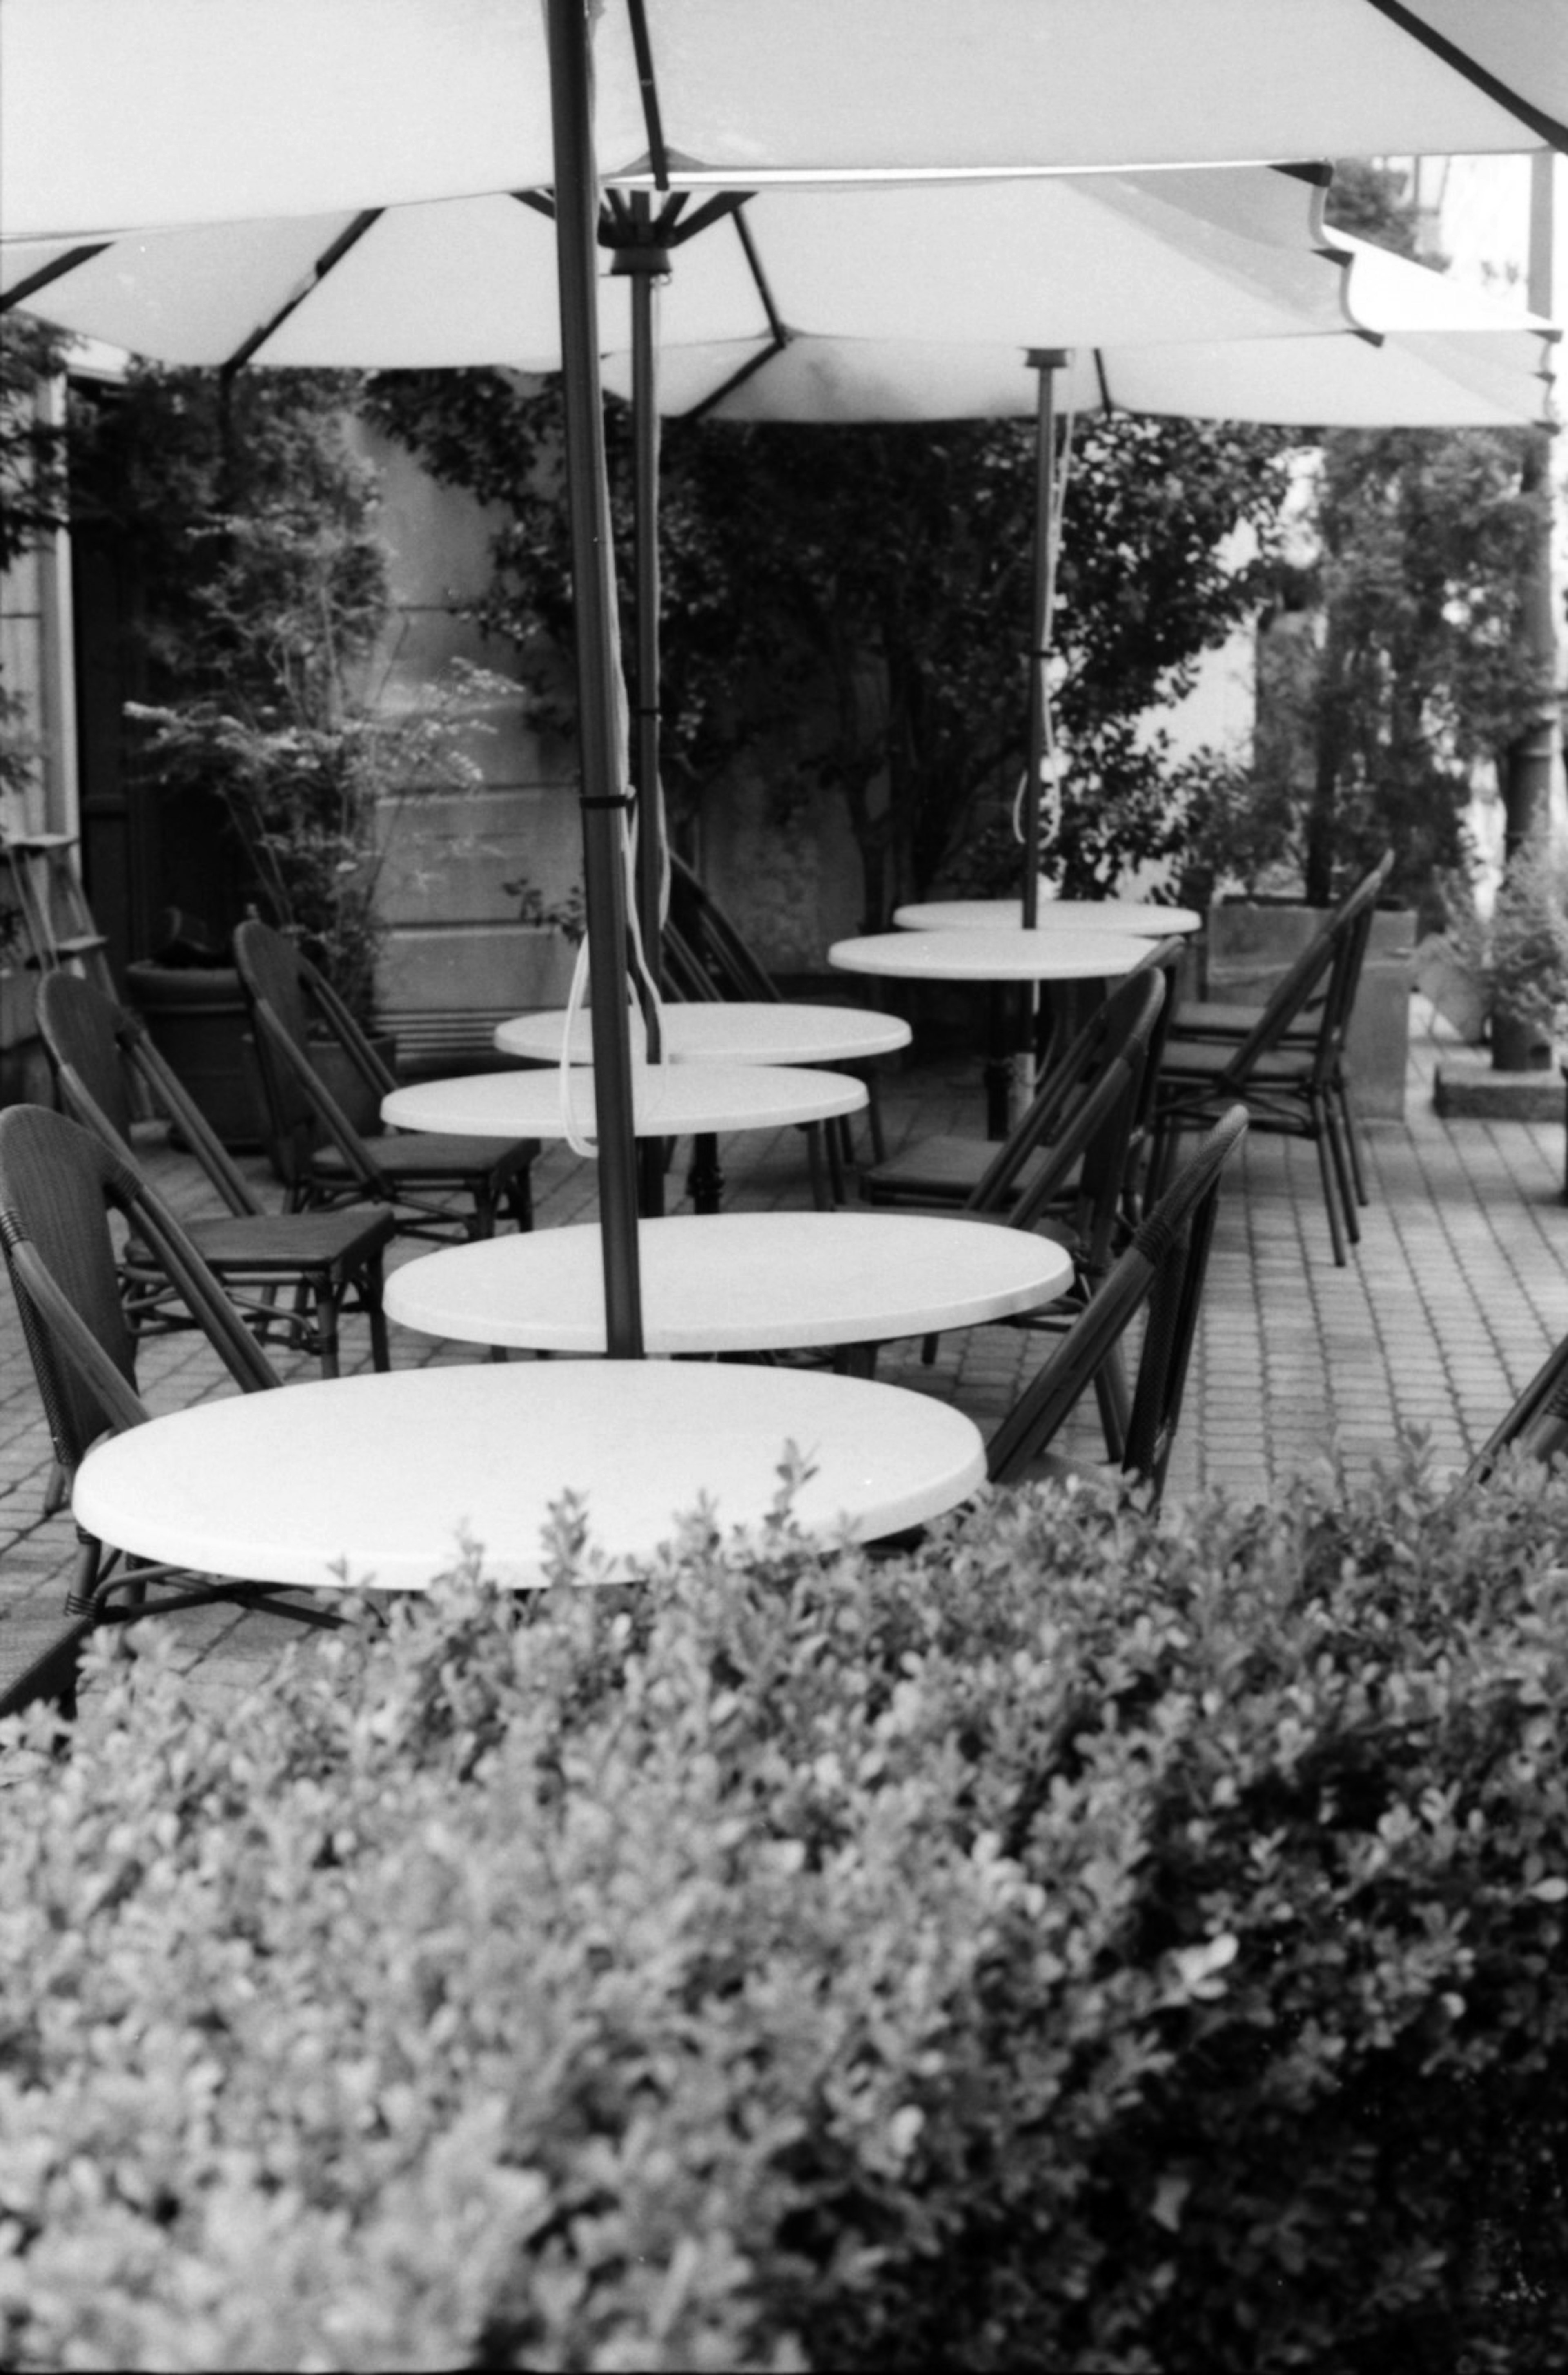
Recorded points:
(1458, 1290)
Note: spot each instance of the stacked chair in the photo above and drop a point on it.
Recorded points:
(1286, 1060)
(419, 1177)
(327, 1262)
(1163, 1268)
(1063, 1167)
(58, 1187)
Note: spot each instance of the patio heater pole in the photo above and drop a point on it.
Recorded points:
(603, 798)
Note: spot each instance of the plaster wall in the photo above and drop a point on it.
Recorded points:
(458, 957)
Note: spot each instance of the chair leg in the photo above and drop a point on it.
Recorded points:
(1330, 1124)
(326, 1293)
(1340, 1087)
(371, 1295)
(1330, 1198)
(1115, 1401)
(874, 1129)
(82, 1594)
(822, 1194)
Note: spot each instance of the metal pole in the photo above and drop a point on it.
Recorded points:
(643, 262)
(604, 794)
(1046, 363)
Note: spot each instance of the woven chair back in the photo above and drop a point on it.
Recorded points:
(76, 1024)
(54, 1183)
(1164, 1266)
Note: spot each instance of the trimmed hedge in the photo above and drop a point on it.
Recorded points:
(1090, 1941)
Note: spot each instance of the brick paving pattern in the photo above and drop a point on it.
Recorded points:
(1459, 1288)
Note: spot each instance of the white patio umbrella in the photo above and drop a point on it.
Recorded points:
(1187, 291)
(118, 114)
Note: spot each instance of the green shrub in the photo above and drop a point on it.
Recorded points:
(1089, 1942)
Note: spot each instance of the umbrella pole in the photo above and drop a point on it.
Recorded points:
(643, 262)
(604, 799)
(1046, 363)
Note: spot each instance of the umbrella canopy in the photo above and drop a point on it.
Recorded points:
(1172, 293)
(119, 114)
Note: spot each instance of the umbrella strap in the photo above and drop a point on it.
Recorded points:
(1037, 659)
(653, 1076)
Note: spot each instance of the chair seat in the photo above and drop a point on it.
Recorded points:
(1216, 1019)
(414, 1155)
(277, 1244)
(1200, 1063)
(941, 1170)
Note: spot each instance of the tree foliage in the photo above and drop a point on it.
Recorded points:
(247, 523)
(1407, 666)
(852, 604)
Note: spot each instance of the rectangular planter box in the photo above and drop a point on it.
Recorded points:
(1251, 946)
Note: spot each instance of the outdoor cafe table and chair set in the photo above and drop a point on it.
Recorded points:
(384, 1478)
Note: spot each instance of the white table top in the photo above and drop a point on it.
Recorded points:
(997, 954)
(1053, 916)
(739, 1032)
(743, 1282)
(670, 1101)
(380, 1479)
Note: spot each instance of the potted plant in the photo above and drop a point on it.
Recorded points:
(1502, 974)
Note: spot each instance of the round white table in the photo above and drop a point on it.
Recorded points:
(738, 1032)
(668, 1101)
(746, 1281)
(1000, 953)
(383, 1480)
(1054, 916)
(1004, 956)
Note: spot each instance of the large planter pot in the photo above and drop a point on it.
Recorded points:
(1252, 943)
(199, 1022)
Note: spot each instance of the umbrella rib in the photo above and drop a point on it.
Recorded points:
(326, 262)
(775, 319)
(659, 155)
(48, 272)
(1554, 133)
(712, 210)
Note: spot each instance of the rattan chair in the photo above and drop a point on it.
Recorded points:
(324, 1161)
(706, 958)
(1163, 1268)
(974, 1174)
(1228, 1023)
(328, 1262)
(58, 1185)
(1061, 1171)
(1297, 1087)
(1537, 1424)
